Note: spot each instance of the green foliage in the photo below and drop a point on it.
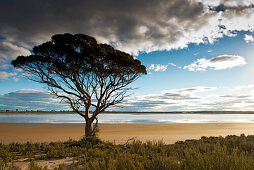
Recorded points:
(66, 51)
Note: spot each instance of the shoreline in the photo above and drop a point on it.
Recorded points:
(120, 133)
(71, 112)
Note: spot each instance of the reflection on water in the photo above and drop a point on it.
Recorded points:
(131, 118)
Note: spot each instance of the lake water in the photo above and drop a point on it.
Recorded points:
(131, 118)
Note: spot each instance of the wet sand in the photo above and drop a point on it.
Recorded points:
(120, 133)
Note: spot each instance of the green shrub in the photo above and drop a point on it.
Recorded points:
(88, 142)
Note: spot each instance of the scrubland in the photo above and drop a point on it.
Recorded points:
(230, 152)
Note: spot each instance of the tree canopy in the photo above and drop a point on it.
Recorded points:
(82, 72)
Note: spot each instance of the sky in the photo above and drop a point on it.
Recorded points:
(199, 54)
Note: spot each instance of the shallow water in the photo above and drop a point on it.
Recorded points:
(131, 118)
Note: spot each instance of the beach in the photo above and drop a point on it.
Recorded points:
(120, 133)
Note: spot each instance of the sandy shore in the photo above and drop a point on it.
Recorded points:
(120, 133)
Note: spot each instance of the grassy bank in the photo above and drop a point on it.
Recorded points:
(231, 152)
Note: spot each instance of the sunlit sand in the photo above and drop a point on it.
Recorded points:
(120, 133)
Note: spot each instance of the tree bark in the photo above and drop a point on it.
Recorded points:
(88, 128)
(95, 126)
(88, 125)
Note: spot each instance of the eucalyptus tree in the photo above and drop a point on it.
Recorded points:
(83, 73)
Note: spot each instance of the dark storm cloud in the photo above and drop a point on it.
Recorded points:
(29, 18)
(28, 22)
(129, 25)
(224, 8)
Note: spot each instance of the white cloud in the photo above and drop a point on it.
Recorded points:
(248, 38)
(199, 98)
(166, 100)
(30, 99)
(217, 63)
(25, 91)
(172, 64)
(143, 29)
(196, 89)
(5, 76)
(15, 79)
(160, 67)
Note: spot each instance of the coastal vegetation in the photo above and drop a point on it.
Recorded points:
(230, 152)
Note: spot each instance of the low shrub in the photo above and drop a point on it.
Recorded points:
(5, 156)
(231, 152)
(33, 166)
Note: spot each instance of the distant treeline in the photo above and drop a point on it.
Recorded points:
(123, 112)
(35, 112)
(184, 112)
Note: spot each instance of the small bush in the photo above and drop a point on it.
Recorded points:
(89, 142)
(33, 166)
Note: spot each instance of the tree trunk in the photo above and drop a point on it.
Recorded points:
(88, 128)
